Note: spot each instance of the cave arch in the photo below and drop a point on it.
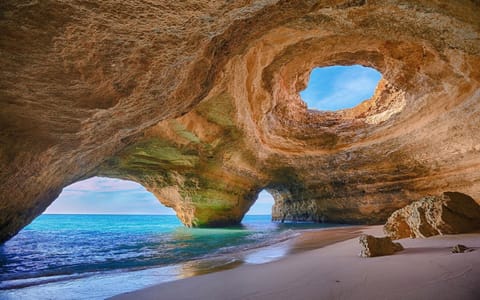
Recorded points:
(205, 117)
(103, 195)
(263, 205)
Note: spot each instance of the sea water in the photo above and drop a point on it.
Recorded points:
(98, 256)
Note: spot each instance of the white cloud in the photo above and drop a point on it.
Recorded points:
(344, 89)
(100, 184)
(264, 197)
(348, 92)
(106, 196)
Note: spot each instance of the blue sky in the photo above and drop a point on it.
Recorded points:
(329, 88)
(339, 87)
(99, 195)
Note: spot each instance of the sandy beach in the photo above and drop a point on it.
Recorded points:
(426, 269)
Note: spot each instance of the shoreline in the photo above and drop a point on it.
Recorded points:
(324, 264)
(304, 240)
(105, 283)
(312, 239)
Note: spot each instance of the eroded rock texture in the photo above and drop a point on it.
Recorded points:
(198, 101)
(377, 246)
(449, 213)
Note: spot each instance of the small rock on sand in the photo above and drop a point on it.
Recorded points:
(373, 246)
(461, 249)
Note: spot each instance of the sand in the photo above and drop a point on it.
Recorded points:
(426, 269)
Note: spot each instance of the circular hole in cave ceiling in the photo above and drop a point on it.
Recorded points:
(339, 87)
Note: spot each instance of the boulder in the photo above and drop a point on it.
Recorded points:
(450, 213)
(377, 246)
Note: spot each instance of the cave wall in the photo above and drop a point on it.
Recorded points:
(198, 101)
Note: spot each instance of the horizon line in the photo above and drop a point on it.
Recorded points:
(139, 214)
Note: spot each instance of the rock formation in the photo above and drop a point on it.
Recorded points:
(447, 214)
(372, 246)
(198, 101)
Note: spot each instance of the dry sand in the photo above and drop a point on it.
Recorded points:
(426, 269)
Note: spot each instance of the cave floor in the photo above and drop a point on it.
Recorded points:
(426, 269)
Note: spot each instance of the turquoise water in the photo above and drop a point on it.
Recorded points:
(82, 254)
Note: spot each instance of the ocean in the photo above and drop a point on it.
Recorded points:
(99, 256)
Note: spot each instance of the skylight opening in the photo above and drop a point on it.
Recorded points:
(340, 87)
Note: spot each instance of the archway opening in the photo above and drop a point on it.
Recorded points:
(263, 205)
(95, 225)
(101, 195)
(336, 88)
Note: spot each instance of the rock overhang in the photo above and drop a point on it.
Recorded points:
(206, 138)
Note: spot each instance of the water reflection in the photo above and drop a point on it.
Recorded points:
(201, 267)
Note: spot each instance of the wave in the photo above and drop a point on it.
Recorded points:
(223, 258)
(19, 282)
(268, 241)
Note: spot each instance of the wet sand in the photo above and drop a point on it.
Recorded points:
(315, 239)
(426, 269)
(307, 240)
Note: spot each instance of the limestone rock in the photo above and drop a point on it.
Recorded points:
(450, 213)
(377, 246)
(199, 102)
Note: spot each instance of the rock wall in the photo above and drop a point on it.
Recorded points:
(198, 101)
(449, 213)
